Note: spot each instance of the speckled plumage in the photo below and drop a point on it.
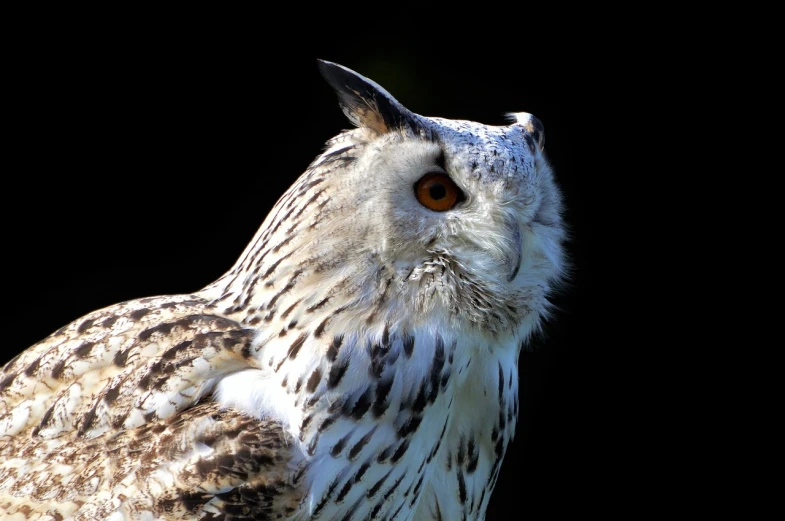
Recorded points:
(358, 362)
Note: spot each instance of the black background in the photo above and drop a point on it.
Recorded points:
(143, 158)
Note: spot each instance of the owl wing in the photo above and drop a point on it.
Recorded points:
(112, 413)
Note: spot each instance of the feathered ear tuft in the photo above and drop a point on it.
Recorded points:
(365, 102)
(531, 124)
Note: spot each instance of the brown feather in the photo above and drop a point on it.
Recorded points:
(106, 413)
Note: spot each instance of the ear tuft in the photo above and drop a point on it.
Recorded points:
(531, 124)
(365, 102)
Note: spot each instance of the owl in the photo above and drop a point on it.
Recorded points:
(358, 362)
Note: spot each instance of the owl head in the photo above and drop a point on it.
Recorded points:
(414, 218)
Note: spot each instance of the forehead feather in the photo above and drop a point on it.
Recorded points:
(491, 153)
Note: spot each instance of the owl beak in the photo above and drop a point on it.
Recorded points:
(515, 251)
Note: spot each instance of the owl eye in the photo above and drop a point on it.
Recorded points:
(437, 192)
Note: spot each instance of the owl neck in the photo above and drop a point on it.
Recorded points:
(299, 244)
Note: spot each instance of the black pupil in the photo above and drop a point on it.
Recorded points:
(437, 191)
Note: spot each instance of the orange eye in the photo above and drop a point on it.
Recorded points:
(437, 192)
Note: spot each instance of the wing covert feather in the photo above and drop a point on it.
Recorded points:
(112, 413)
